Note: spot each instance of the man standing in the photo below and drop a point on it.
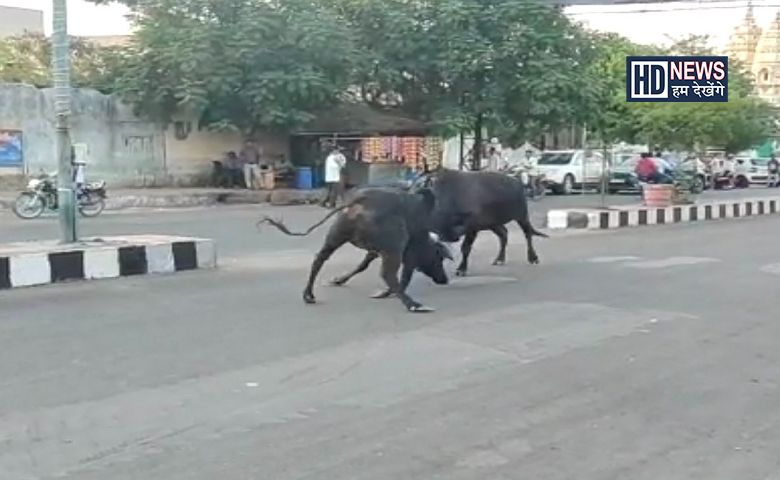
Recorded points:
(334, 167)
(773, 168)
(495, 156)
(251, 156)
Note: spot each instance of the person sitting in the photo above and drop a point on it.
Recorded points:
(647, 170)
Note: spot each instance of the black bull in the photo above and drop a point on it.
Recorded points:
(387, 223)
(470, 202)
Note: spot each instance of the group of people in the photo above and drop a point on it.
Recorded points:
(251, 168)
(655, 169)
(651, 169)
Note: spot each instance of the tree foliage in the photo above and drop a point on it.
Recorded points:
(517, 67)
(239, 64)
(513, 65)
(27, 59)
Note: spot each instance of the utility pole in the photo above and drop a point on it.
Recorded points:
(66, 203)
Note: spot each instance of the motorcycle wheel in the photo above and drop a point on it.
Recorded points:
(28, 206)
(91, 206)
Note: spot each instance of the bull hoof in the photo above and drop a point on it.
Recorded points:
(382, 294)
(421, 309)
(338, 282)
(460, 273)
(533, 261)
(499, 263)
(309, 299)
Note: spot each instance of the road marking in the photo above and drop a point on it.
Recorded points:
(773, 268)
(612, 259)
(479, 281)
(671, 262)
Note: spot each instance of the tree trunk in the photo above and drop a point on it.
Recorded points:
(461, 153)
(476, 157)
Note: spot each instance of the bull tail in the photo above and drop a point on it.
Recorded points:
(538, 233)
(283, 228)
(529, 229)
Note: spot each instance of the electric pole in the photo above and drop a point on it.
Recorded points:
(61, 68)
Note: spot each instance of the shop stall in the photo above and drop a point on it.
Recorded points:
(381, 148)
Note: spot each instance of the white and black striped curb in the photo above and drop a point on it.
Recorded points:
(636, 216)
(28, 264)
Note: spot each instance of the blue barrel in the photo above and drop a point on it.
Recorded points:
(303, 178)
(316, 178)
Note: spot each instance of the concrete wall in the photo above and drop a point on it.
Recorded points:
(124, 150)
(16, 21)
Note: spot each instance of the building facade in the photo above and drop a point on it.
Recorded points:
(758, 48)
(16, 21)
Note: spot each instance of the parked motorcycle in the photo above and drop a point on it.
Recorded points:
(41, 195)
(723, 180)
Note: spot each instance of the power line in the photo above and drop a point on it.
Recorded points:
(678, 9)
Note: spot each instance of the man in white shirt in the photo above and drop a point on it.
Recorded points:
(334, 166)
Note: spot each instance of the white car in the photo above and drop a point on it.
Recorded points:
(751, 171)
(567, 169)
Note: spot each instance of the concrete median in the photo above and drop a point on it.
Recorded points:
(639, 215)
(27, 264)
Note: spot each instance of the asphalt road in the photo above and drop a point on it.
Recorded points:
(234, 229)
(641, 354)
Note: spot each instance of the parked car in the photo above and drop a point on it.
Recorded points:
(700, 170)
(566, 170)
(751, 171)
(622, 177)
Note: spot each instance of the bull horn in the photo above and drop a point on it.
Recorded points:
(434, 237)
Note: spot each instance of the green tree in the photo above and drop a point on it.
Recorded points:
(611, 118)
(517, 66)
(237, 64)
(27, 59)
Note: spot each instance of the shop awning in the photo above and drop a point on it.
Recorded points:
(362, 120)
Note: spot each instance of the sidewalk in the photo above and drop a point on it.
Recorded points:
(191, 197)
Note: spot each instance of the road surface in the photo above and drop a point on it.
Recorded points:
(642, 354)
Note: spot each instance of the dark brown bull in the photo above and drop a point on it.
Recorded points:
(470, 202)
(390, 224)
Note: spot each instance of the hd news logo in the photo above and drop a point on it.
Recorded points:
(677, 79)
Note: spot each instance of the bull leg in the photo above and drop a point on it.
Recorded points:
(528, 230)
(502, 234)
(465, 250)
(406, 278)
(332, 243)
(342, 280)
(390, 265)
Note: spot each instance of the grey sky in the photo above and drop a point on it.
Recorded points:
(716, 18)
